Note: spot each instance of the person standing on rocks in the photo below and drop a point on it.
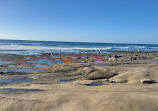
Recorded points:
(115, 57)
(109, 58)
(101, 51)
(60, 54)
(52, 54)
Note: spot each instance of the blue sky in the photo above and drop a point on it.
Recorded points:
(114, 21)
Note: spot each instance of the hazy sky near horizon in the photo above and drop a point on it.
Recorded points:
(116, 21)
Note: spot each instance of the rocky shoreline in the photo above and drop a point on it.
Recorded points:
(53, 76)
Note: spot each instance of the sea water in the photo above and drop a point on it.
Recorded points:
(28, 47)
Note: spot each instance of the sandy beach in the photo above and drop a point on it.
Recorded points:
(79, 82)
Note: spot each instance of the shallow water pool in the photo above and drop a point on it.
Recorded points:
(15, 80)
(2, 62)
(19, 90)
(151, 60)
(41, 63)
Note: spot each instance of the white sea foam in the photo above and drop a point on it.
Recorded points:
(28, 47)
(23, 47)
(36, 48)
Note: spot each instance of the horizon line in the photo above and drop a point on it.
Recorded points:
(80, 42)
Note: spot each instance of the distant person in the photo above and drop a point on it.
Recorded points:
(60, 54)
(115, 57)
(99, 51)
(109, 58)
(52, 54)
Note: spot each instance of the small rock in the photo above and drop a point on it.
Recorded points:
(134, 58)
(113, 81)
(105, 80)
(2, 73)
(147, 81)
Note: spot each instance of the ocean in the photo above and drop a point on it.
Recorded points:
(29, 47)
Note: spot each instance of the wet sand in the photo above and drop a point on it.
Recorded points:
(80, 82)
